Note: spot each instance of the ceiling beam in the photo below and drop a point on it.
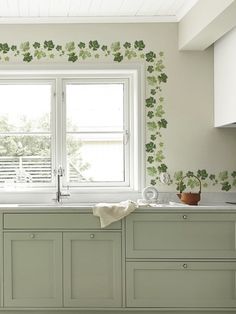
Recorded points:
(206, 22)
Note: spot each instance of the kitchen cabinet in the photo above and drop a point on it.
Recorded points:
(225, 80)
(92, 269)
(32, 269)
(181, 260)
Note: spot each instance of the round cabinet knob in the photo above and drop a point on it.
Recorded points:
(185, 266)
(32, 236)
(185, 217)
(92, 235)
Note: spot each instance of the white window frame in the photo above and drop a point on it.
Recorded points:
(134, 75)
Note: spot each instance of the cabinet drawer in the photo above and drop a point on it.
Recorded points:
(190, 235)
(181, 284)
(54, 221)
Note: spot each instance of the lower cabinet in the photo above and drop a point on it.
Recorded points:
(32, 269)
(181, 284)
(92, 269)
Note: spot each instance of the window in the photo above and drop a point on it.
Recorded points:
(86, 122)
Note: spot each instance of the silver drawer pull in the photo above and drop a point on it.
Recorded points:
(185, 266)
(92, 235)
(32, 235)
(185, 217)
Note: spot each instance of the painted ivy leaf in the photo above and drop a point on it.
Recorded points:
(181, 186)
(36, 45)
(162, 78)
(161, 53)
(115, 46)
(150, 102)
(212, 177)
(150, 114)
(72, 57)
(142, 55)
(178, 175)
(233, 174)
(225, 186)
(6, 59)
(189, 174)
(39, 54)
(162, 123)
(127, 45)
(150, 56)
(223, 175)
(153, 91)
(159, 156)
(96, 56)
(202, 174)
(84, 54)
(118, 57)
(4, 48)
(58, 47)
(234, 182)
(161, 144)
(27, 57)
(150, 68)
(130, 54)
(104, 48)
(70, 46)
(191, 183)
(153, 182)
(151, 80)
(161, 99)
(48, 44)
(150, 159)
(25, 46)
(153, 137)
(13, 48)
(94, 45)
(159, 111)
(162, 168)
(81, 45)
(139, 44)
(150, 147)
(51, 56)
(152, 171)
(152, 126)
(159, 66)
(205, 185)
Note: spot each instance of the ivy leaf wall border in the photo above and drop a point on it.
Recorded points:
(155, 110)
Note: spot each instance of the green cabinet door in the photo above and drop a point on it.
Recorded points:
(92, 269)
(181, 284)
(32, 269)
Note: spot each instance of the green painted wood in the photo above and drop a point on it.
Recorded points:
(181, 284)
(54, 221)
(33, 269)
(190, 235)
(92, 269)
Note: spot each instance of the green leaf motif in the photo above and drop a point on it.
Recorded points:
(58, 47)
(150, 68)
(153, 137)
(84, 54)
(225, 186)
(118, 57)
(153, 91)
(153, 182)
(130, 54)
(202, 174)
(104, 48)
(13, 48)
(162, 78)
(159, 156)
(150, 114)
(150, 102)
(115, 46)
(72, 57)
(152, 126)
(162, 168)
(150, 147)
(4, 48)
(151, 171)
(81, 45)
(94, 45)
(36, 45)
(151, 80)
(70, 46)
(139, 44)
(178, 175)
(27, 57)
(162, 123)
(25, 46)
(39, 54)
(127, 45)
(159, 111)
(223, 175)
(150, 159)
(48, 45)
(150, 56)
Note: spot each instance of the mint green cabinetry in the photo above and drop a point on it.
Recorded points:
(32, 269)
(92, 269)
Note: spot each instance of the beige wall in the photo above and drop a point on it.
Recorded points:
(191, 141)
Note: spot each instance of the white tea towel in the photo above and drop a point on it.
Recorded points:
(110, 212)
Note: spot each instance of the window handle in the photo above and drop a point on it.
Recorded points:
(126, 137)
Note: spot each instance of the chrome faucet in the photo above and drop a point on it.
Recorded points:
(59, 195)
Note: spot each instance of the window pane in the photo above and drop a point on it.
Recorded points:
(25, 108)
(95, 158)
(94, 106)
(25, 159)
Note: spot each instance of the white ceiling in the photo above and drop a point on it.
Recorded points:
(93, 11)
